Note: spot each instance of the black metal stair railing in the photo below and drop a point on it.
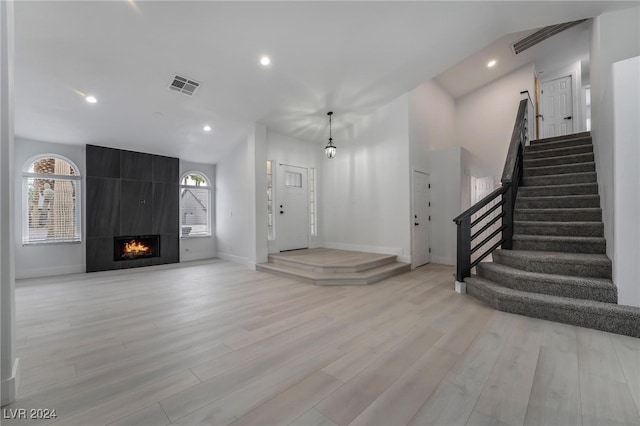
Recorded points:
(500, 203)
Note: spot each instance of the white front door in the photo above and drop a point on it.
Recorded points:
(292, 208)
(557, 107)
(420, 221)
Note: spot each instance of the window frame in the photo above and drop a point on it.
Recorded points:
(208, 186)
(76, 178)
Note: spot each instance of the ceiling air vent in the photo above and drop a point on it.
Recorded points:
(542, 34)
(184, 85)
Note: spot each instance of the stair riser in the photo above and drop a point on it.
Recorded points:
(558, 203)
(554, 289)
(332, 269)
(560, 246)
(610, 323)
(558, 190)
(558, 144)
(560, 170)
(559, 215)
(592, 270)
(561, 138)
(573, 150)
(371, 280)
(569, 230)
(566, 179)
(558, 161)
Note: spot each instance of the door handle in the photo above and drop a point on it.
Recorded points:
(416, 224)
(568, 118)
(281, 211)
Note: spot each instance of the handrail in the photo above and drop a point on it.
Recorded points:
(514, 145)
(480, 204)
(511, 175)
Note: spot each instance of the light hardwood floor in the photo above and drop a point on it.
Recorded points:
(214, 343)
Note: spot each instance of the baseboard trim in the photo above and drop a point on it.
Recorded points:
(10, 386)
(50, 271)
(198, 255)
(443, 260)
(237, 259)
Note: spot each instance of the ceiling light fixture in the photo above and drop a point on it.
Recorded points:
(91, 99)
(265, 60)
(207, 128)
(330, 149)
(491, 63)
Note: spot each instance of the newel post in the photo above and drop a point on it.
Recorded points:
(463, 261)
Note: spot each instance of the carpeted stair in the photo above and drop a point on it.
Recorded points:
(557, 269)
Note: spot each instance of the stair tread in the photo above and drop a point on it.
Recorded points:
(334, 275)
(556, 257)
(556, 152)
(526, 237)
(602, 308)
(551, 278)
(564, 175)
(552, 224)
(575, 185)
(577, 135)
(557, 166)
(559, 157)
(564, 209)
(555, 197)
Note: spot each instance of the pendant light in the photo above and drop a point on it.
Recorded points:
(330, 149)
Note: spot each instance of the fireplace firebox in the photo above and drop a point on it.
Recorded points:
(136, 247)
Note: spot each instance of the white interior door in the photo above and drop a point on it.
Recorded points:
(557, 107)
(292, 208)
(420, 221)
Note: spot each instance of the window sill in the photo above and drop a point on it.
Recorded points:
(49, 243)
(195, 236)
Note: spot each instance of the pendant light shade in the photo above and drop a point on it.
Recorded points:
(330, 149)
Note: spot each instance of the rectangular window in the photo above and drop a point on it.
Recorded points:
(52, 206)
(293, 179)
(312, 202)
(194, 211)
(270, 228)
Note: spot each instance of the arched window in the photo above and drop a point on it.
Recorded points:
(51, 200)
(195, 205)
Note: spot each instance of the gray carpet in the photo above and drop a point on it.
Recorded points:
(557, 269)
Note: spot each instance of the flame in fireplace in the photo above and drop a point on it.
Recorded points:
(135, 248)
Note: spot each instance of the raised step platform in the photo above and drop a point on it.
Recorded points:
(322, 266)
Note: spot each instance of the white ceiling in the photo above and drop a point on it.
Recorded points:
(349, 57)
(553, 53)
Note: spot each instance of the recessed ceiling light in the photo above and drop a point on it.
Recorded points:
(91, 99)
(265, 60)
(207, 128)
(491, 63)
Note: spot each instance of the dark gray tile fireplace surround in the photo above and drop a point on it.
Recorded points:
(130, 194)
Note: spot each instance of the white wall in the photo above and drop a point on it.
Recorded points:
(431, 122)
(626, 140)
(445, 169)
(46, 259)
(283, 149)
(365, 199)
(195, 248)
(615, 37)
(485, 118)
(233, 192)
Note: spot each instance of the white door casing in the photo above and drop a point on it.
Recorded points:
(292, 208)
(557, 107)
(420, 220)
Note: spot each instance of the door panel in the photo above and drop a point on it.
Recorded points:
(292, 208)
(420, 221)
(557, 107)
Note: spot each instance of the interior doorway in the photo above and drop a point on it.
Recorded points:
(556, 114)
(292, 208)
(420, 253)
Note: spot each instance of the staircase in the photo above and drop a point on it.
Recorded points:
(557, 269)
(323, 266)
